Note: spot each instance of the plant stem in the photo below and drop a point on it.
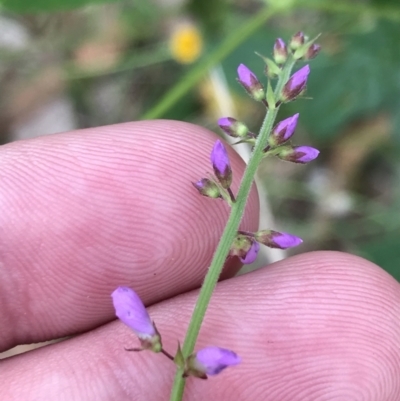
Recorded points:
(229, 234)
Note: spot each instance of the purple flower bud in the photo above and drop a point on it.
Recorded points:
(251, 254)
(283, 131)
(207, 188)
(211, 361)
(297, 40)
(250, 83)
(296, 84)
(312, 51)
(298, 154)
(221, 165)
(130, 309)
(275, 239)
(233, 127)
(280, 51)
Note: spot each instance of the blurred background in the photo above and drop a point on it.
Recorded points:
(67, 64)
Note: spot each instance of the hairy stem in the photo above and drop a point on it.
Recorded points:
(229, 234)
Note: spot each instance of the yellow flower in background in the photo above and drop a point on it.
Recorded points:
(186, 43)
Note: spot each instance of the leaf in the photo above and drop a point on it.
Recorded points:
(38, 6)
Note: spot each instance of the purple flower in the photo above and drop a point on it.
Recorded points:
(305, 154)
(212, 360)
(250, 83)
(280, 51)
(221, 165)
(233, 127)
(251, 254)
(298, 154)
(207, 188)
(130, 309)
(275, 239)
(283, 131)
(296, 84)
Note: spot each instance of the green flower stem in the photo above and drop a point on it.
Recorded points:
(229, 234)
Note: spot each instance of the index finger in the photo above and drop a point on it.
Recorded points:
(86, 211)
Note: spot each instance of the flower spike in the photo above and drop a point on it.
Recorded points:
(250, 83)
(211, 361)
(130, 310)
(221, 164)
(296, 84)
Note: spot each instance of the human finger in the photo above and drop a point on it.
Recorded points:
(322, 326)
(86, 211)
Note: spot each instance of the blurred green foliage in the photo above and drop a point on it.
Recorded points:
(40, 6)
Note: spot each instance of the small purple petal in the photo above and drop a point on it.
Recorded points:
(200, 184)
(251, 255)
(285, 129)
(296, 84)
(285, 240)
(212, 360)
(246, 76)
(229, 126)
(219, 157)
(130, 309)
(305, 154)
(221, 165)
(233, 127)
(299, 78)
(250, 83)
(226, 121)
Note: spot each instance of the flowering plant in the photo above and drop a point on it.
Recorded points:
(272, 140)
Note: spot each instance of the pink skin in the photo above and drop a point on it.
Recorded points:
(82, 220)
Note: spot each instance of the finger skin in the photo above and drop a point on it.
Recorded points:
(87, 211)
(316, 327)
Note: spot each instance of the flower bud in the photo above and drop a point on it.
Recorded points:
(250, 83)
(280, 51)
(233, 127)
(245, 248)
(296, 84)
(275, 239)
(297, 40)
(221, 165)
(312, 51)
(241, 245)
(130, 310)
(283, 131)
(207, 188)
(211, 361)
(298, 154)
